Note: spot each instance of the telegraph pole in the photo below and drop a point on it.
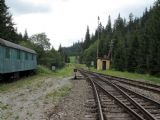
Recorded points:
(111, 45)
(110, 50)
(98, 39)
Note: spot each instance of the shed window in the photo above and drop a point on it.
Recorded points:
(18, 54)
(7, 53)
(26, 56)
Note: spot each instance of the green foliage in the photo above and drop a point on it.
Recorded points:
(72, 59)
(36, 80)
(7, 30)
(52, 58)
(87, 40)
(90, 54)
(74, 50)
(66, 71)
(129, 75)
(43, 70)
(41, 40)
(63, 54)
(45, 56)
(136, 43)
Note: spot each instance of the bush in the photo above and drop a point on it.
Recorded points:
(43, 70)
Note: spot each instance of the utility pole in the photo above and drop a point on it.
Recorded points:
(98, 39)
(110, 50)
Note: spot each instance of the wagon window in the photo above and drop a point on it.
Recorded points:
(7, 53)
(18, 54)
(26, 56)
(32, 56)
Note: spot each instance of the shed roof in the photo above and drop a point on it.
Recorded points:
(13, 45)
(103, 58)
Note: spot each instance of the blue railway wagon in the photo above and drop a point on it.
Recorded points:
(15, 58)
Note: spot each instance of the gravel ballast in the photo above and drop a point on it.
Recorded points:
(72, 107)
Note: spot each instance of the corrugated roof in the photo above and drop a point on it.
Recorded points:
(13, 45)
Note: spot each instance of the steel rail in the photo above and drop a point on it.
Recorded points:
(137, 94)
(135, 83)
(101, 116)
(155, 103)
(140, 95)
(137, 105)
(134, 114)
(144, 111)
(129, 110)
(141, 86)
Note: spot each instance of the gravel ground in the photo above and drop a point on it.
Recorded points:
(30, 102)
(152, 95)
(72, 107)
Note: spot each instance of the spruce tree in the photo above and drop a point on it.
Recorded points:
(87, 40)
(7, 30)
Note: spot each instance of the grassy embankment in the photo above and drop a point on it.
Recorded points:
(72, 59)
(64, 72)
(135, 76)
(36, 80)
(47, 87)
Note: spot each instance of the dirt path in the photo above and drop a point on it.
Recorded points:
(30, 102)
(72, 107)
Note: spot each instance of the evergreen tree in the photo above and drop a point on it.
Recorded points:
(109, 25)
(25, 35)
(136, 43)
(153, 34)
(7, 30)
(87, 40)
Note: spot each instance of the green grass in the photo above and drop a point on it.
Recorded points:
(24, 82)
(3, 106)
(42, 70)
(72, 59)
(59, 93)
(66, 71)
(36, 80)
(135, 76)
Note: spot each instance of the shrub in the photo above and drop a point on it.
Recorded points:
(43, 70)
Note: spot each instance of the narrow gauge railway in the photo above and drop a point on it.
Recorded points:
(130, 105)
(94, 104)
(139, 84)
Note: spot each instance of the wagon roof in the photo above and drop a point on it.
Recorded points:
(13, 45)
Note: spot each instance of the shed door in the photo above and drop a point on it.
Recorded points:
(104, 65)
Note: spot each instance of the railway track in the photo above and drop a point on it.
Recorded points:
(94, 105)
(119, 103)
(139, 84)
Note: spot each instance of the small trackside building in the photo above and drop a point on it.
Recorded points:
(103, 64)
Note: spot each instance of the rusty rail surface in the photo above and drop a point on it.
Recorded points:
(135, 83)
(97, 99)
(139, 110)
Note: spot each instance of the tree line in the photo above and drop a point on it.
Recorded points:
(136, 42)
(46, 55)
(74, 50)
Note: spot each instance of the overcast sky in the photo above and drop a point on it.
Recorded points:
(65, 21)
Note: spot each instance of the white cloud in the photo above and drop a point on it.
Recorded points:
(37, 2)
(67, 20)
